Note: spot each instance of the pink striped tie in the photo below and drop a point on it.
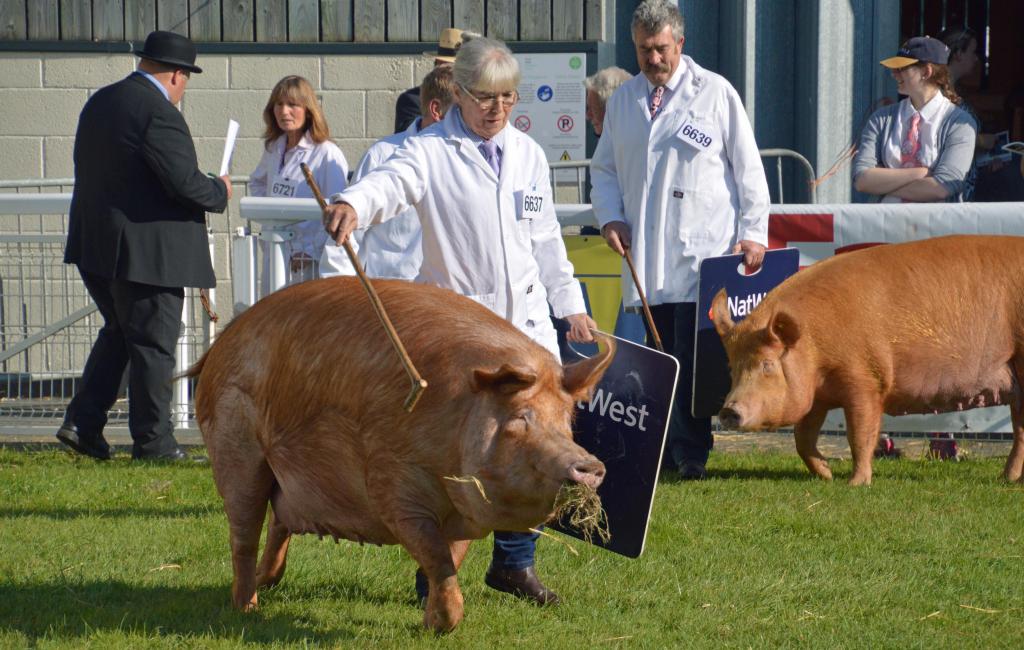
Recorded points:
(911, 144)
(656, 96)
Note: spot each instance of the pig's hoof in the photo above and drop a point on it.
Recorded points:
(441, 621)
(248, 606)
(860, 480)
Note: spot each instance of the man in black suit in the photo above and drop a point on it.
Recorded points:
(137, 231)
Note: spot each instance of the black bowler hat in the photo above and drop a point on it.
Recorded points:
(170, 48)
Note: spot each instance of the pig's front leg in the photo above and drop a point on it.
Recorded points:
(422, 537)
(806, 434)
(863, 424)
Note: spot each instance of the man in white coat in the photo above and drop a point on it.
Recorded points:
(676, 178)
(391, 250)
(483, 195)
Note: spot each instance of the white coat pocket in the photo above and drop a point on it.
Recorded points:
(688, 210)
(485, 299)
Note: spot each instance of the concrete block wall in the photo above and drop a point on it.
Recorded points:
(41, 96)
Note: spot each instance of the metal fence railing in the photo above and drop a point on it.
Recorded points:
(48, 322)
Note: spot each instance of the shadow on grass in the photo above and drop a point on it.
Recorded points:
(129, 512)
(80, 610)
(753, 473)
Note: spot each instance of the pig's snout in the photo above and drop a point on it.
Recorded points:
(589, 472)
(729, 417)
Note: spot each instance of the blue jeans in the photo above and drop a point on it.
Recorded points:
(689, 438)
(512, 551)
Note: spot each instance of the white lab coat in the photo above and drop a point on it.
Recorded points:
(690, 184)
(278, 174)
(389, 250)
(496, 241)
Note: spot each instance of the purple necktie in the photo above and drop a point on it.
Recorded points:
(489, 149)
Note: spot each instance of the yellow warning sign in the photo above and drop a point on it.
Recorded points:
(565, 156)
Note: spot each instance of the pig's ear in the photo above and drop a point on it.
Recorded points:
(720, 314)
(506, 380)
(580, 378)
(784, 329)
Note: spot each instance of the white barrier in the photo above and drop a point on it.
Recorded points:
(59, 204)
(818, 231)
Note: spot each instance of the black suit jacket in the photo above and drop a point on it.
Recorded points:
(407, 109)
(138, 210)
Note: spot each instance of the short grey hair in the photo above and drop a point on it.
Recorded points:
(486, 64)
(653, 15)
(604, 82)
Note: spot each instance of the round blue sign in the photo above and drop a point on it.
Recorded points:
(544, 93)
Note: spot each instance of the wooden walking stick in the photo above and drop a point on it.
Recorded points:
(419, 384)
(643, 301)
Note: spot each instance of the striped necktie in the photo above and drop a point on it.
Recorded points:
(911, 144)
(656, 97)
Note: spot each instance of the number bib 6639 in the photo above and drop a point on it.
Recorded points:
(700, 136)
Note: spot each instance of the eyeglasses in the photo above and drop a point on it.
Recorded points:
(486, 102)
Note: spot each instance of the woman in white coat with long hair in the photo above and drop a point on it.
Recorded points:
(296, 132)
(483, 195)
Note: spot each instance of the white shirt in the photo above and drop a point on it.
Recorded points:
(933, 114)
(690, 184)
(388, 250)
(494, 240)
(278, 174)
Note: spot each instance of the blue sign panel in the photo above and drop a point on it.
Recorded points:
(624, 426)
(711, 380)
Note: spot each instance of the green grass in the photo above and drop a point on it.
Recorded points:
(127, 555)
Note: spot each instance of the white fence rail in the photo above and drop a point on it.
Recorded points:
(48, 322)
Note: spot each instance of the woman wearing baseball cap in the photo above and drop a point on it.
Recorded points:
(920, 149)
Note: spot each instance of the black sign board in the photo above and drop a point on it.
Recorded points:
(624, 425)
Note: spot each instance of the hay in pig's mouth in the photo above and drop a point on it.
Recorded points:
(578, 506)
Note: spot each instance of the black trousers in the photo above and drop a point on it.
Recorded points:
(140, 332)
(689, 438)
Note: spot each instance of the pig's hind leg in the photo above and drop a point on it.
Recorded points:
(1014, 469)
(245, 482)
(806, 436)
(275, 552)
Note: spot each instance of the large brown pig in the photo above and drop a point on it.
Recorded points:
(921, 327)
(300, 405)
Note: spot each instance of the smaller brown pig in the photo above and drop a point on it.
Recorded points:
(300, 405)
(928, 326)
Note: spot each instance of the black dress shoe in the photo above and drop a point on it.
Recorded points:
(92, 446)
(521, 583)
(176, 455)
(692, 472)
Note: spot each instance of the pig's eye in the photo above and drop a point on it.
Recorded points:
(767, 366)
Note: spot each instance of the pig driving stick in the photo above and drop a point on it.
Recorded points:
(643, 301)
(418, 383)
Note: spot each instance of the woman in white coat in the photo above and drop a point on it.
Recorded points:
(296, 132)
(483, 195)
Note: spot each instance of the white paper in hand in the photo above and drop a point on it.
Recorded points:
(229, 147)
